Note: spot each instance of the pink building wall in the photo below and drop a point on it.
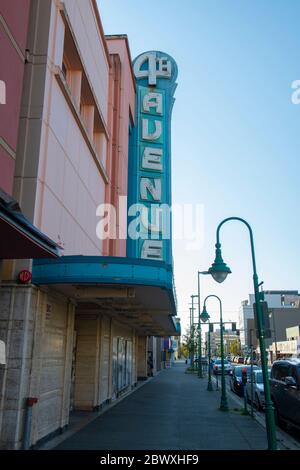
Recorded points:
(57, 177)
(12, 58)
(121, 115)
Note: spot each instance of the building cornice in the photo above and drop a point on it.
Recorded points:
(124, 37)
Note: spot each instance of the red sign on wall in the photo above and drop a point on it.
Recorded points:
(25, 276)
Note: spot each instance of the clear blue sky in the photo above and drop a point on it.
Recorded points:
(235, 131)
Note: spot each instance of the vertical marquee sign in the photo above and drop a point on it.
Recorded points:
(149, 179)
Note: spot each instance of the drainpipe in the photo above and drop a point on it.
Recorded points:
(28, 420)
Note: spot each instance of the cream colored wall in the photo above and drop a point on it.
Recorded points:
(52, 372)
(88, 331)
(93, 367)
(18, 311)
(142, 356)
(38, 330)
(105, 361)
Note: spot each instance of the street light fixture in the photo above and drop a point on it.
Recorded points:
(205, 317)
(224, 404)
(200, 371)
(219, 270)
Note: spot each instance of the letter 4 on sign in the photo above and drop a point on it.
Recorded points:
(150, 154)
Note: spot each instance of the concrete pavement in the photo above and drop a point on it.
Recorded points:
(172, 411)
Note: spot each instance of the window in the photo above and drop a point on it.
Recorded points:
(293, 373)
(100, 143)
(259, 378)
(82, 95)
(71, 66)
(280, 371)
(64, 70)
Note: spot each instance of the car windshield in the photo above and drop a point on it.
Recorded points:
(259, 378)
(220, 362)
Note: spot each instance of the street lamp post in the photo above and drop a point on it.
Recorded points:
(251, 346)
(193, 329)
(209, 383)
(200, 372)
(219, 271)
(204, 317)
(224, 404)
(191, 334)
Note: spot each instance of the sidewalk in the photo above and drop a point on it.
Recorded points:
(172, 411)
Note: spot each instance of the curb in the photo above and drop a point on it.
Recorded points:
(285, 441)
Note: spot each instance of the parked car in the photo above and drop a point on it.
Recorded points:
(258, 389)
(204, 360)
(240, 360)
(217, 367)
(236, 383)
(285, 391)
(249, 361)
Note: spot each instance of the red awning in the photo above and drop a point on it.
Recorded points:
(19, 239)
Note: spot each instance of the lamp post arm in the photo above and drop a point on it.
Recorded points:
(251, 238)
(215, 296)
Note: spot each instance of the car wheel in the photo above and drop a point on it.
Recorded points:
(278, 420)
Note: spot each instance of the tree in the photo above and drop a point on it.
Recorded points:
(187, 343)
(235, 347)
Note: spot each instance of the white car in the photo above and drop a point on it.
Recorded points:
(258, 389)
(217, 367)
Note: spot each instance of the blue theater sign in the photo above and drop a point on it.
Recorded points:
(149, 180)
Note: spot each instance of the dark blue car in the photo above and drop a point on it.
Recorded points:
(285, 391)
(236, 383)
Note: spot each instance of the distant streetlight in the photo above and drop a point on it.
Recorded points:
(219, 271)
(224, 404)
(200, 371)
(193, 329)
(191, 337)
(205, 317)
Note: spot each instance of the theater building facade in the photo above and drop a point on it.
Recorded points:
(78, 331)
